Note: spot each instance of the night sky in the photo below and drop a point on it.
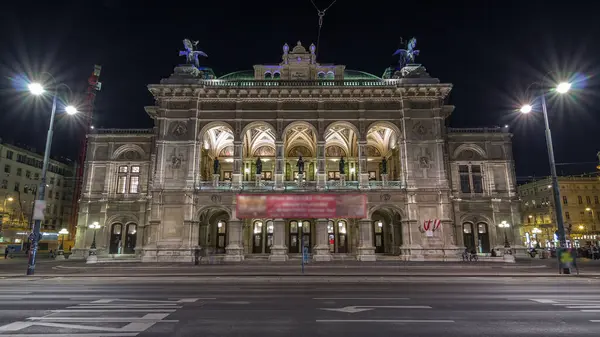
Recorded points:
(490, 50)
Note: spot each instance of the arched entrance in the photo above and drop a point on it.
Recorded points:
(468, 237)
(483, 237)
(337, 236)
(299, 233)
(386, 230)
(122, 238)
(262, 236)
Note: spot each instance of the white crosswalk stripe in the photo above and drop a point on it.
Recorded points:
(583, 305)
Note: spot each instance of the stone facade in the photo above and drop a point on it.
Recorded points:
(390, 131)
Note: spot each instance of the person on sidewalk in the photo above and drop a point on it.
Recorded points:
(6, 253)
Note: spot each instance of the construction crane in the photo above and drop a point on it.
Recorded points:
(93, 86)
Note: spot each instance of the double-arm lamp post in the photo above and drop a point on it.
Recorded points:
(38, 214)
(561, 88)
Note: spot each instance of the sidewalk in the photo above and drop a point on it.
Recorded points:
(293, 269)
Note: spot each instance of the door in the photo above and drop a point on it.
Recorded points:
(257, 237)
(269, 242)
(342, 237)
(305, 231)
(378, 237)
(115, 238)
(294, 241)
(221, 237)
(331, 236)
(468, 239)
(483, 237)
(130, 239)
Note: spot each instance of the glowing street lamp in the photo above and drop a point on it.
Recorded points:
(504, 224)
(94, 226)
(561, 88)
(38, 89)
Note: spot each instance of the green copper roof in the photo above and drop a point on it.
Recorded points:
(249, 75)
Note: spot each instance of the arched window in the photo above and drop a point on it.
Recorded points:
(268, 76)
(330, 75)
(321, 75)
(276, 76)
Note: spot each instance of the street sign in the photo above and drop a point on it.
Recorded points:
(567, 258)
(39, 209)
(360, 308)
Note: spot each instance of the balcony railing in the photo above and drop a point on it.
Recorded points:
(122, 131)
(251, 186)
(283, 83)
(478, 130)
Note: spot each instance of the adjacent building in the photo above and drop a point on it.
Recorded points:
(260, 163)
(580, 198)
(20, 173)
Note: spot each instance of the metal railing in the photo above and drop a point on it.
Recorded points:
(478, 130)
(251, 186)
(284, 83)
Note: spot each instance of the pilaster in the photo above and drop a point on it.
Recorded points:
(234, 249)
(363, 174)
(238, 174)
(321, 250)
(279, 165)
(366, 250)
(279, 249)
(321, 174)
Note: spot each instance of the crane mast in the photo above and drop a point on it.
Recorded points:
(93, 86)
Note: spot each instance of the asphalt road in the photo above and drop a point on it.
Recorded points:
(291, 306)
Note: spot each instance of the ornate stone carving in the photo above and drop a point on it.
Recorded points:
(178, 105)
(218, 106)
(335, 151)
(385, 197)
(179, 130)
(341, 106)
(215, 198)
(300, 105)
(176, 160)
(372, 151)
(424, 162)
(130, 155)
(264, 151)
(420, 130)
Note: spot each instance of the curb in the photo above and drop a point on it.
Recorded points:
(550, 275)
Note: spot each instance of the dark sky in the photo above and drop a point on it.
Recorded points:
(490, 50)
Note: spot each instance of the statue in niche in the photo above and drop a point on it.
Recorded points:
(216, 166)
(384, 166)
(176, 161)
(424, 162)
(342, 166)
(300, 165)
(258, 166)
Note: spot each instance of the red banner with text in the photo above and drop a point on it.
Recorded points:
(301, 206)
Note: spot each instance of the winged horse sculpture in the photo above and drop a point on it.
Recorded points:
(190, 53)
(407, 55)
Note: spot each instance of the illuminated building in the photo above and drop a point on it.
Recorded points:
(157, 196)
(581, 205)
(20, 171)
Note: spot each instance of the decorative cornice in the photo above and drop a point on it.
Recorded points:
(306, 90)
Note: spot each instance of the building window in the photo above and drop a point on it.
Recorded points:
(579, 200)
(28, 174)
(17, 187)
(567, 215)
(595, 199)
(57, 182)
(4, 184)
(6, 168)
(19, 172)
(9, 154)
(565, 201)
(57, 196)
(128, 180)
(52, 181)
(36, 176)
(588, 199)
(581, 215)
(134, 183)
(471, 179)
(465, 182)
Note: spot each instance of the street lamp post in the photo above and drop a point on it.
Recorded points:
(561, 88)
(37, 89)
(94, 226)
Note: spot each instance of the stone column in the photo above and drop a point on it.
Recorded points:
(238, 167)
(203, 235)
(235, 248)
(279, 164)
(321, 174)
(366, 250)
(363, 173)
(321, 250)
(279, 249)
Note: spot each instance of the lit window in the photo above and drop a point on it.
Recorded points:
(122, 184)
(134, 183)
(123, 169)
(134, 169)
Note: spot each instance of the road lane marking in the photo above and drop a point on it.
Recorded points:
(146, 318)
(383, 321)
(360, 308)
(121, 307)
(108, 334)
(157, 302)
(112, 310)
(361, 298)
